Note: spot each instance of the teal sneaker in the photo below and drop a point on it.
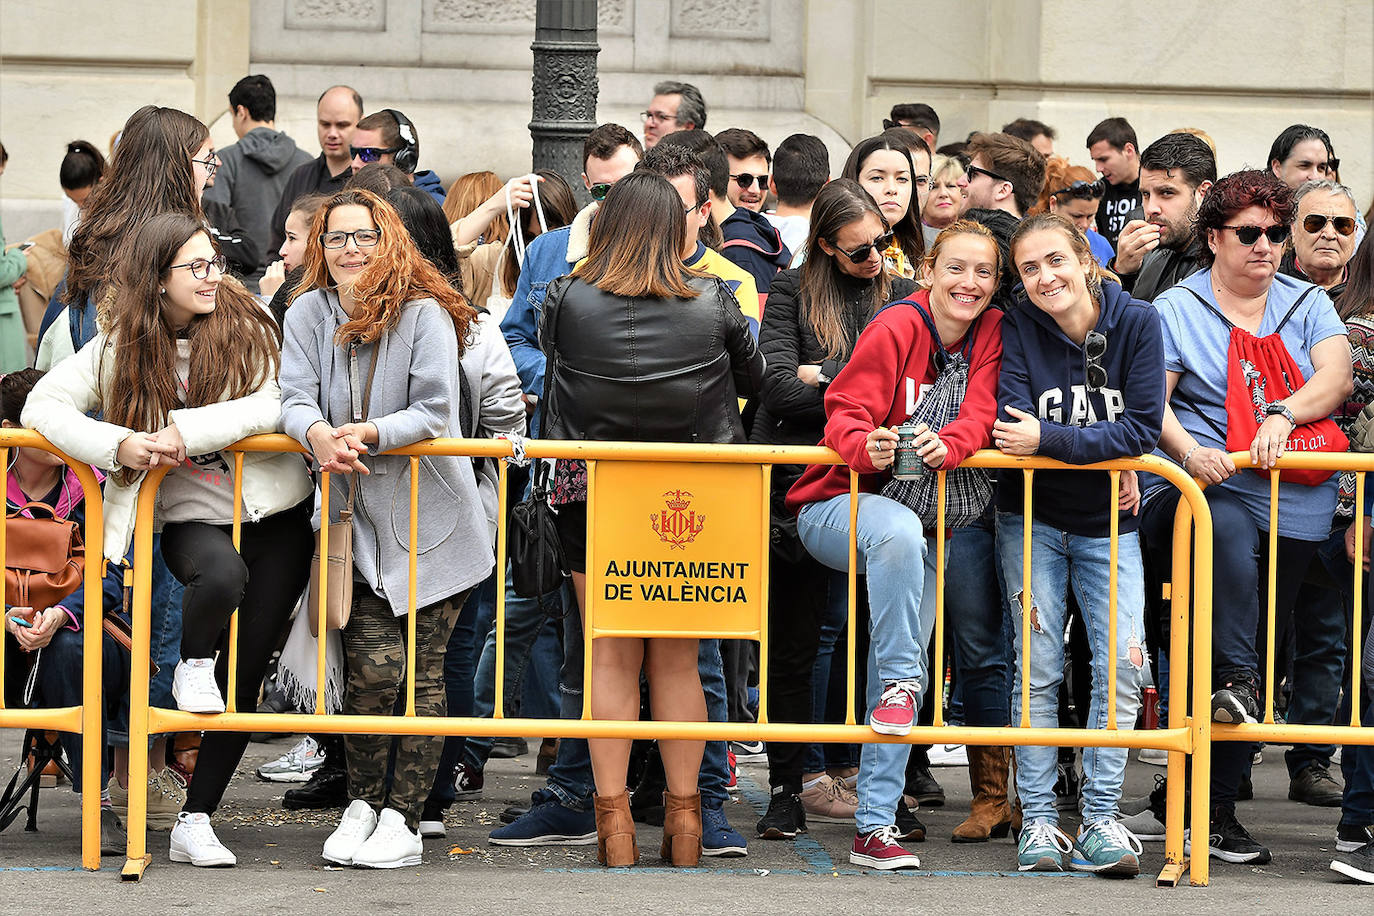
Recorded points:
(1106, 848)
(1042, 847)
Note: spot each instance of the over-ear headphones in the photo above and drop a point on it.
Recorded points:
(407, 158)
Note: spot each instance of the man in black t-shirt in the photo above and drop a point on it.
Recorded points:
(1113, 148)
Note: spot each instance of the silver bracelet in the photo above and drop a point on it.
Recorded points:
(1188, 454)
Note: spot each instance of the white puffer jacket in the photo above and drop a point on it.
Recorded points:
(58, 407)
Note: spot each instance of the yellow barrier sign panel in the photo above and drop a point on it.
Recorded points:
(677, 548)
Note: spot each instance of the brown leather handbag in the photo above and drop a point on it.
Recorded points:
(45, 558)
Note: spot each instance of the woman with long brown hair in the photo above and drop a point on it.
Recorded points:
(188, 367)
(814, 315)
(641, 347)
(370, 363)
(884, 167)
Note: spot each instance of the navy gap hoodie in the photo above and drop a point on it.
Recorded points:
(1045, 374)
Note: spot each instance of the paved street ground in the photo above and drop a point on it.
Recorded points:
(280, 870)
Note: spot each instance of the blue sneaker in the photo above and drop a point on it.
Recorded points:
(1106, 848)
(718, 838)
(1042, 847)
(548, 823)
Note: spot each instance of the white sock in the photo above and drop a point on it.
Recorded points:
(811, 783)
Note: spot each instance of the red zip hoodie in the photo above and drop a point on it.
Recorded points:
(891, 369)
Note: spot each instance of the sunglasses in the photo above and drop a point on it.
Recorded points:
(1316, 222)
(363, 238)
(860, 254)
(1094, 348)
(200, 267)
(970, 170)
(1082, 190)
(1249, 235)
(599, 191)
(658, 117)
(746, 181)
(372, 153)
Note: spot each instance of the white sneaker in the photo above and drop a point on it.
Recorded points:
(392, 844)
(1153, 756)
(295, 765)
(194, 841)
(194, 687)
(357, 824)
(948, 755)
(431, 830)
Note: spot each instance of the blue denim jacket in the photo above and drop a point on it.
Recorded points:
(546, 260)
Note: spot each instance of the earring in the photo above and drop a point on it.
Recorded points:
(162, 290)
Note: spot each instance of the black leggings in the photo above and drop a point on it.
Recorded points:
(263, 581)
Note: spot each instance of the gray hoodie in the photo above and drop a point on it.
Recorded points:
(414, 397)
(252, 174)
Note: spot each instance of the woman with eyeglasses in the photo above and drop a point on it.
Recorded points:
(947, 199)
(1241, 226)
(900, 352)
(1323, 239)
(642, 348)
(369, 364)
(1082, 381)
(188, 367)
(812, 320)
(883, 167)
(1074, 192)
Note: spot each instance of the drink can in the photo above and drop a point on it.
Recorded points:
(1151, 707)
(906, 464)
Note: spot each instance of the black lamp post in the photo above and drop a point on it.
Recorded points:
(565, 86)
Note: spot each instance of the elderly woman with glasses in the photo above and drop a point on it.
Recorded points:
(1241, 299)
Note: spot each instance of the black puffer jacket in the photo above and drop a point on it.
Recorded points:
(646, 370)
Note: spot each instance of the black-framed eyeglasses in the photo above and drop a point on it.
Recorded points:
(860, 254)
(658, 117)
(368, 154)
(746, 181)
(211, 165)
(1249, 235)
(688, 210)
(599, 190)
(1316, 222)
(970, 170)
(200, 267)
(1083, 190)
(1094, 348)
(363, 238)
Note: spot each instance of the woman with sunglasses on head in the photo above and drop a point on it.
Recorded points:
(883, 167)
(813, 318)
(902, 350)
(369, 364)
(1323, 240)
(1075, 193)
(1241, 226)
(1082, 381)
(187, 368)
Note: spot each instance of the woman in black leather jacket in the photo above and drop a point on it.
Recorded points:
(641, 348)
(812, 318)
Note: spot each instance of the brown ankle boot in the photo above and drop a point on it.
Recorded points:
(681, 829)
(615, 831)
(990, 815)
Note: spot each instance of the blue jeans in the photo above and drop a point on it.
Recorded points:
(892, 555)
(165, 629)
(1062, 561)
(459, 661)
(827, 679)
(975, 614)
(1319, 661)
(531, 660)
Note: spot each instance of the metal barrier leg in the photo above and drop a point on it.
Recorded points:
(1179, 596)
(1201, 726)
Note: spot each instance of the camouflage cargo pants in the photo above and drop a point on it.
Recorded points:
(375, 649)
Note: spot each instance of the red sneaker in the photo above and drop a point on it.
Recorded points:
(896, 711)
(879, 849)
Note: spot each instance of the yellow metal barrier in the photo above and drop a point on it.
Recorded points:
(608, 464)
(83, 719)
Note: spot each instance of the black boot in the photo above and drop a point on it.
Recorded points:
(328, 785)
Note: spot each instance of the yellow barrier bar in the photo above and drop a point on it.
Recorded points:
(766, 526)
(322, 610)
(1027, 601)
(1114, 534)
(588, 611)
(853, 585)
(1180, 591)
(1288, 733)
(231, 701)
(936, 669)
(1199, 862)
(500, 673)
(1357, 598)
(1272, 591)
(412, 612)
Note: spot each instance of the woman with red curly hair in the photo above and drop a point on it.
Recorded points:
(370, 364)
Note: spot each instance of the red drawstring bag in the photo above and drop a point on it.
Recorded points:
(1260, 371)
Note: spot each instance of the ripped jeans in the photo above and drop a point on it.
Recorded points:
(1062, 561)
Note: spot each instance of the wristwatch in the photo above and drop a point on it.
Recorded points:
(1278, 408)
